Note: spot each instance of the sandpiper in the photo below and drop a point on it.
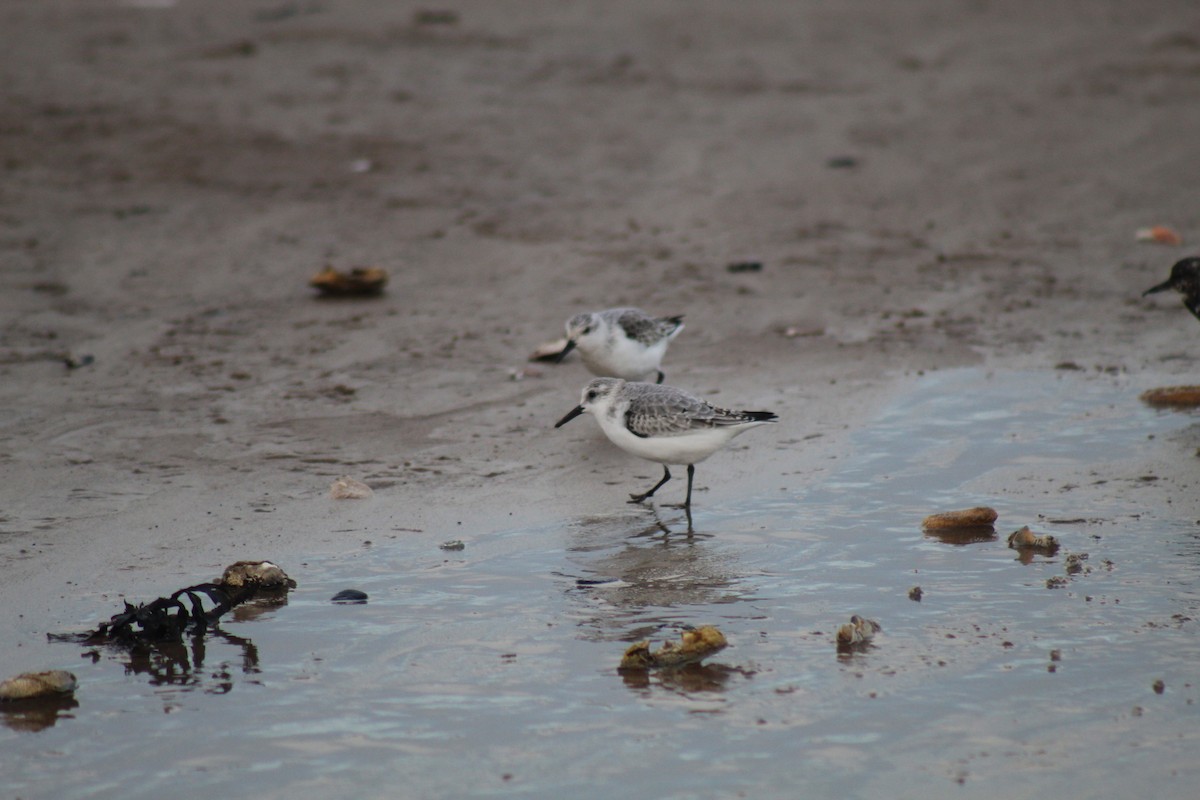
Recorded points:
(662, 424)
(1185, 279)
(623, 343)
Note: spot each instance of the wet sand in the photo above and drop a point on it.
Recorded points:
(927, 185)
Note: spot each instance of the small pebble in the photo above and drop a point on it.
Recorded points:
(453, 544)
(350, 597)
(745, 266)
(75, 363)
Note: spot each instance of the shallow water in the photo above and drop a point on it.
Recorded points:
(491, 671)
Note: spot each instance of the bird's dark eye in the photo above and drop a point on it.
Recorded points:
(587, 330)
(591, 395)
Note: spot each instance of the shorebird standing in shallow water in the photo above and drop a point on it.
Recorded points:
(621, 342)
(1185, 279)
(663, 424)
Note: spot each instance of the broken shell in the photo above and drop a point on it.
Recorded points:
(261, 574)
(347, 488)
(548, 351)
(978, 517)
(1025, 538)
(1172, 397)
(857, 632)
(1159, 234)
(694, 645)
(794, 331)
(32, 685)
(359, 281)
(521, 373)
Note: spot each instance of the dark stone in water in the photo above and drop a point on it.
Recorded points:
(349, 596)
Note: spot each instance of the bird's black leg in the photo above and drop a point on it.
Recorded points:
(688, 503)
(661, 376)
(637, 498)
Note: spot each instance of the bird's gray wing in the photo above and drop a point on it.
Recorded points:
(666, 411)
(646, 329)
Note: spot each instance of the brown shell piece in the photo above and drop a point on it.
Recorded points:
(347, 488)
(694, 645)
(261, 574)
(1027, 539)
(1172, 397)
(967, 518)
(857, 632)
(359, 281)
(32, 685)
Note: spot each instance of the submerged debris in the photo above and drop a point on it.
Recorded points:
(858, 632)
(695, 645)
(350, 597)
(453, 544)
(978, 517)
(167, 619)
(1074, 563)
(1172, 397)
(1057, 582)
(359, 281)
(37, 685)
(916, 593)
(1025, 539)
(347, 488)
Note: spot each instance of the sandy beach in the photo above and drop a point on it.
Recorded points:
(927, 185)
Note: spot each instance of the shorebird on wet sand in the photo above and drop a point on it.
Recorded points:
(662, 424)
(1185, 279)
(621, 342)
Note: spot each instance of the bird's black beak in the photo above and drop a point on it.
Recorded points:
(1162, 287)
(570, 346)
(572, 414)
